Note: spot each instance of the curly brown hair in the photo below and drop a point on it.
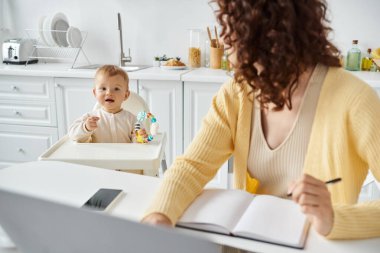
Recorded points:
(285, 37)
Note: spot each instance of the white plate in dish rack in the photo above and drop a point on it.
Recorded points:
(47, 32)
(41, 30)
(59, 26)
(74, 37)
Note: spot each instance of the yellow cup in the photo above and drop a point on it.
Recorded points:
(216, 55)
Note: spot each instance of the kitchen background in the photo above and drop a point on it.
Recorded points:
(157, 27)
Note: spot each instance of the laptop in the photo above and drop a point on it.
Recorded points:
(37, 225)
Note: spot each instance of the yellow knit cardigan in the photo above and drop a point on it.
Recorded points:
(344, 142)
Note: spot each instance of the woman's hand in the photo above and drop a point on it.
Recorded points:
(157, 219)
(315, 201)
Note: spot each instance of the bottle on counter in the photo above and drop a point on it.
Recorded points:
(207, 54)
(367, 61)
(225, 62)
(353, 57)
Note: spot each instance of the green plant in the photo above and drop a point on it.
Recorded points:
(164, 58)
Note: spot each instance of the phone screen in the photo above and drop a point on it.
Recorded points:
(102, 199)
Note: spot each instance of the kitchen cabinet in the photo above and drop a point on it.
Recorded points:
(24, 143)
(74, 98)
(165, 100)
(28, 121)
(197, 101)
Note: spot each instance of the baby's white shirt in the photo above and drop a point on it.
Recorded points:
(112, 127)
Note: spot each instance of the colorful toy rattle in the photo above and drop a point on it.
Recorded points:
(141, 134)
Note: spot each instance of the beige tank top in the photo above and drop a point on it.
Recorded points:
(277, 168)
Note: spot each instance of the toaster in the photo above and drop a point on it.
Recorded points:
(18, 51)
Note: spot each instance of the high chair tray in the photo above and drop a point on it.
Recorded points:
(117, 156)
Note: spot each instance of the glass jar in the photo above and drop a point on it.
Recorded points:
(194, 48)
(353, 57)
(367, 61)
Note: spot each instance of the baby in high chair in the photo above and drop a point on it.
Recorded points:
(110, 123)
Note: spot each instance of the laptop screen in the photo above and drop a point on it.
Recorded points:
(37, 225)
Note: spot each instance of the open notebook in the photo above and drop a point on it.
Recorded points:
(238, 213)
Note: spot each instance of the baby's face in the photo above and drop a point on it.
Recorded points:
(110, 92)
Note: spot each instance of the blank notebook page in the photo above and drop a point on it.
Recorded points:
(274, 219)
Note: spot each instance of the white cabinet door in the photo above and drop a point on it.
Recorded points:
(74, 98)
(164, 99)
(197, 101)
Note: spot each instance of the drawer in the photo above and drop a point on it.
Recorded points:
(28, 113)
(21, 143)
(25, 87)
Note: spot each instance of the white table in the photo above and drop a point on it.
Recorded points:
(72, 184)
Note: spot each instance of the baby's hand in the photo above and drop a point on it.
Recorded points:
(143, 133)
(91, 123)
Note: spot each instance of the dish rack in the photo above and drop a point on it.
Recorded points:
(42, 50)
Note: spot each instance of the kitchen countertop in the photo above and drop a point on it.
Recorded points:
(372, 78)
(156, 73)
(206, 75)
(63, 70)
(45, 69)
(152, 73)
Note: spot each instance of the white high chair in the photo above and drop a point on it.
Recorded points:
(130, 157)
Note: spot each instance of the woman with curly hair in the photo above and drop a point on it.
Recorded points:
(292, 118)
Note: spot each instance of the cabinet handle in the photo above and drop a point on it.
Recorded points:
(57, 85)
(17, 113)
(14, 88)
(21, 150)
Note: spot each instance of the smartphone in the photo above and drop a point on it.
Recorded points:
(103, 199)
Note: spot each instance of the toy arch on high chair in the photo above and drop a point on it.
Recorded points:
(130, 157)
